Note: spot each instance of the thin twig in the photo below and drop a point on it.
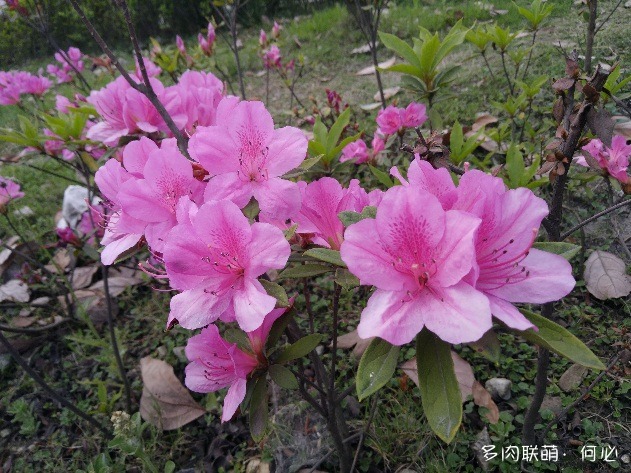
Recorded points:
(595, 217)
(34, 331)
(51, 392)
(584, 395)
(371, 416)
(599, 27)
(113, 341)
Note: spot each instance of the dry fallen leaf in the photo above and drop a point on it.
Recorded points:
(165, 403)
(366, 71)
(116, 284)
(606, 277)
(572, 377)
(14, 291)
(82, 277)
(482, 398)
(387, 93)
(350, 340)
(370, 106)
(365, 49)
(482, 120)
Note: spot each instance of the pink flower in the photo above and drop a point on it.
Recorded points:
(9, 190)
(272, 57)
(37, 85)
(614, 161)
(263, 38)
(357, 150)
(10, 94)
(276, 30)
(389, 120)
(417, 254)
(322, 201)
(179, 42)
(63, 104)
(216, 364)
(109, 103)
(57, 146)
(200, 94)
(152, 69)
(378, 145)
(413, 115)
(215, 257)
(509, 269)
(206, 44)
(247, 156)
(164, 176)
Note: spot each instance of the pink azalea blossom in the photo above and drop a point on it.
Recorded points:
(417, 255)
(57, 146)
(216, 364)
(63, 104)
(215, 257)
(262, 38)
(614, 161)
(508, 269)
(276, 30)
(272, 57)
(200, 94)
(109, 103)
(9, 190)
(152, 69)
(413, 115)
(179, 42)
(206, 43)
(162, 176)
(37, 85)
(322, 201)
(247, 156)
(357, 151)
(389, 120)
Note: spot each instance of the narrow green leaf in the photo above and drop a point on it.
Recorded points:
(278, 327)
(382, 176)
(310, 162)
(336, 131)
(567, 250)
(376, 367)
(300, 348)
(348, 217)
(283, 377)
(320, 132)
(440, 392)
(559, 340)
(326, 255)
(276, 291)
(305, 271)
(238, 336)
(400, 47)
(346, 279)
(259, 409)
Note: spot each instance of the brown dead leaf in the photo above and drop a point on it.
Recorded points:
(482, 398)
(117, 284)
(62, 259)
(482, 120)
(23, 322)
(387, 93)
(366, 71)
(82, 277)
(350, 340)
(601, 124)
(165, 403)
(606, 276)
(622, 127)
(572, 377)
(563, 84)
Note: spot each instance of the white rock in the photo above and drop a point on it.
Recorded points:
(499, 388)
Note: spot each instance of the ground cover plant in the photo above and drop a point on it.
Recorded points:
(319, 243)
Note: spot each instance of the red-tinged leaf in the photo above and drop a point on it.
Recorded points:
(482, 398)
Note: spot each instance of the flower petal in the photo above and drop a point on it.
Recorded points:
(268, 249)
(251, 305)
(234, 397)
(508, 313)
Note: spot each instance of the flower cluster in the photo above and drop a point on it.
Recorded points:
(270, 52)
(447, 257)
(613, 160)
(393, 120)
(207, 42)
(69, 62)
(15, 84)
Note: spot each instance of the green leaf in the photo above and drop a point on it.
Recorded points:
(283, 377)
(567, 250)
(305, 271)
(382, 176)
(456, 139)
(169, 467)
(276, 291)
(488, 346)
(336, 131)
(376, 367)
(559, 340)
(238, 336)
(310, 162)
(440, 393)
(279, 326)
(316, 149)
(402, 69)
(259, 409)
(326, 255)
(300, 348)
(345, 278)
(320, 133)
(514, 165)
(400, 47)
(338, 149)
(348, 217)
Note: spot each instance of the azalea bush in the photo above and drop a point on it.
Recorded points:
(438, 242)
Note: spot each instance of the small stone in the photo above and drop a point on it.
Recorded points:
(40, 301)
(319, 350)
(627, 4)
(626, 458)
(572, 378)
(499, 388)
(552, 403)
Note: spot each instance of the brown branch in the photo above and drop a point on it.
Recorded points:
(595, 217)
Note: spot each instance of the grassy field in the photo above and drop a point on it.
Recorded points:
(36, 436)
